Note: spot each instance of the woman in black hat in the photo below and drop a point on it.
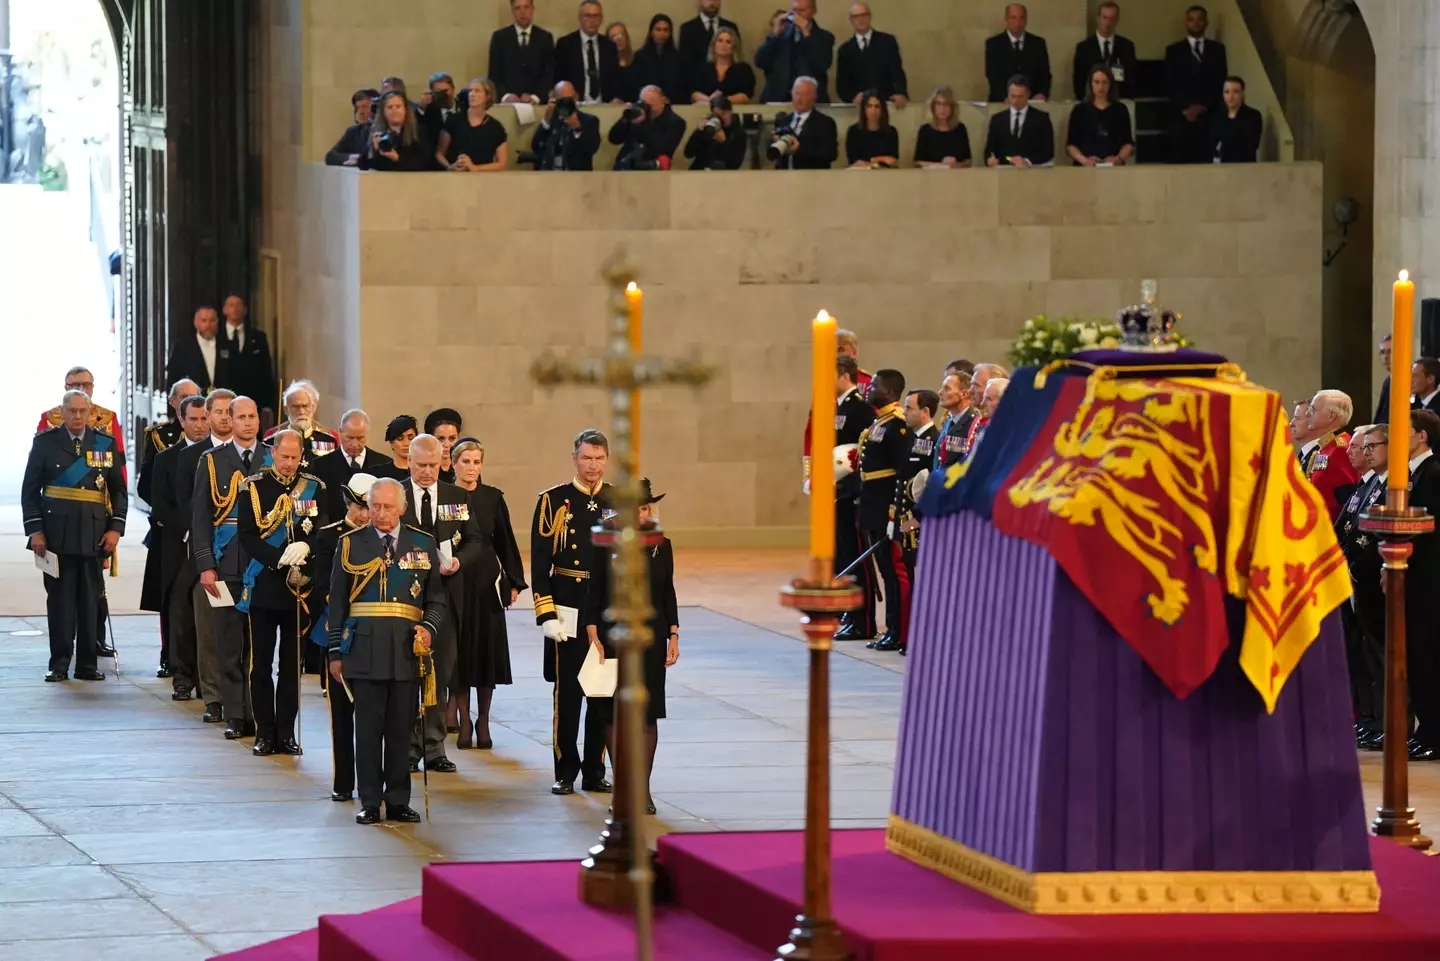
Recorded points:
(664, 649)
(444, 423)
(491, 585)
(398, 434)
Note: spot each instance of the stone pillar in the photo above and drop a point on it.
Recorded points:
(1406, 34)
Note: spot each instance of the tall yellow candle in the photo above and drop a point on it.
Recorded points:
(1402, 349)
(636, 300)
(822, 439)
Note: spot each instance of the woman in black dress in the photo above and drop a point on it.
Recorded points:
(658, 64)
(664, 649)
(724, 72)
(944, 141)
(619, 35)
(407, 148)
(1236, 130)
(871, 141)
(1099, 130)
(483, 651)
(474, 140)
(444, 423)
(398, 434)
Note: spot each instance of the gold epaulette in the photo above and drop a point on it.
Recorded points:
(313, 478)
(152, 434)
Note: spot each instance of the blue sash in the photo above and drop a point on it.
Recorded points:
(276, 538)
(79, 471)
(226, 532)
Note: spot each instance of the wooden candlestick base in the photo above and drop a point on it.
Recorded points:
(822, 600)
(1395, 525)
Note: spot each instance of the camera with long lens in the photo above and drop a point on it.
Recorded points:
(565, 108)
(712, 124)
(385, 143)
(784, 141)
(638, 159)
(634, 111)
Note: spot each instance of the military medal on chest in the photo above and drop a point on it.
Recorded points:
(306, 526)
(415, 589)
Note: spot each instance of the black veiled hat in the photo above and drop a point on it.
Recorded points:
(399, 426)
(650, 496)
(442, 415)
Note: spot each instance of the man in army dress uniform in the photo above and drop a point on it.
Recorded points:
(1363, 614)
(920, 408)
(107, 422)
(220, 556)
(302, 400)
(73, 501)
(884, 452)
(386, 600)
(848, 345)
(281, 514)
(562, 562)
(853, 414)
(159, 437)
(954, 397)
(1322, 454)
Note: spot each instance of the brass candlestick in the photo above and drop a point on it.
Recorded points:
(822, 599)
(618, 870)
(1396, 524)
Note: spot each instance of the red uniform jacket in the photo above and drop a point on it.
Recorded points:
(864, 379)
(1328, 468)
(101, 419)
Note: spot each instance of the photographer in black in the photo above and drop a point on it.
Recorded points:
(719, 143)
(396, 140)
(805, 139)
(435, 115)
(356, 140)
(568, 138)
(649, 133)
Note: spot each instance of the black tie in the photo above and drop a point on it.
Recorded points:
(354, 463)
(77, 447)
(1105, 51)
(1015, 129)
(245, 462)
(1199, 51)
(1017, 48)
(592, 71)
(389, 544)
(524, 39)
(427, 515)
(863, 41)
(712, 28)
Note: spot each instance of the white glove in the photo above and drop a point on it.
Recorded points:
(806, 487)
(890, 530)
(294, 555)
(554, 631)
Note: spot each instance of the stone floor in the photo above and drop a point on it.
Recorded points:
(129, 830)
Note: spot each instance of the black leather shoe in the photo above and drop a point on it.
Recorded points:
(1422, 753)
(601, 786)
(884, 638)
(403, 814)
(54, 676)
(214, 714)
(182, 696)
(89, 676)
(562, 788)
(887, 643)
(852, 633)
(414, 766)
(1370, 741)
(104, 650)
(368, 816)
(484, 745)
(441, 765)
(649, 807)
(263, 747)
(235, 730)
(904, 651)
(289, 746)
(164, 671)
(342, 797)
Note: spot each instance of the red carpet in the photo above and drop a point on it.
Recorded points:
(737, 895)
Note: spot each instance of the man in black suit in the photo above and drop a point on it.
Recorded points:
(810, 140)
(696, 34)
(440, 105)
(353, 457)
(869, 60)
(1014, 51)
(1382, 406)
(647, 135)
(1195, 72)
(1425, 385)
(355, 141)
(158, 438)
(195, 355)
(1109, 48)
(566, 144)
(170, 523)
(187, 582)
(1422, 581)
(245, 360)
(1021, 135)
(798, 47)
(522, 57)
(588, 60)
(443, 511)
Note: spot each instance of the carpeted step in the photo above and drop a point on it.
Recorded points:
(297, 947)
(384, 936)
(529, 911)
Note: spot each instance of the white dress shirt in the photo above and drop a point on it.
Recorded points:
(1014, 40)
(207, 351)
(236, 335)
(1425, 401)
(358, 461)
(1021, 115)
(864, 39)
(1197, 47)
(417, 490)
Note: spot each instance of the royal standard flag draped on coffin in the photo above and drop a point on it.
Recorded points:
(1159, 496)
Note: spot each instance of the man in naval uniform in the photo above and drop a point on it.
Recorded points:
(220, 557)
(920, 409)
(280, 519)
(106, 421)
(159, 437)
(443, 511)
(386, 604)
(562, 562)
(73, 501)
(884, 452)
(853, 414)
(301, 401)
